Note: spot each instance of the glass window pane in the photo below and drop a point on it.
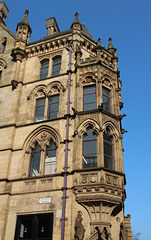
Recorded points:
(35, 162)
(44, 69)
(56, 66)
(40, 108)
(50, 159)
(89, 89)
(53, 107)
(89, 97)
(89, 157)
(106, 99)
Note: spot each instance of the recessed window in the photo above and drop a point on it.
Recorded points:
(106, 99)
(53, 106)
(44, 69)
(108, 150)
(89, 97)
(40, 108)
(89, 156)
(56, 66)
(34, 227)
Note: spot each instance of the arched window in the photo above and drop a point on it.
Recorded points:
(35, 161)
(50, 159)
(108, 150)
(56, 65)
(44, 69)
(89, 156)
(89, 97)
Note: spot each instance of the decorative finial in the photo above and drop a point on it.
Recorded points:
(76, 14)
(110, 39)
(26, 12)
(98, 42)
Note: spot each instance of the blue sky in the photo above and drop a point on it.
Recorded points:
(129, 25)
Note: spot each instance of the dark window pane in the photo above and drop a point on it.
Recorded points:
(40, 108)
(108, 151)
(44, 69)
(89, 97)
(34, 227)
(56, 66)
(53, 107)
(106, 99)
(89, 89)
(35, 162)
(89, 158)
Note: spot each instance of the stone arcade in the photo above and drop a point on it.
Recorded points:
(61, 159)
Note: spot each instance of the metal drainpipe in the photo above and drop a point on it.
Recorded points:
(66, 141)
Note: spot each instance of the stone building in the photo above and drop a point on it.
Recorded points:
(61, 159)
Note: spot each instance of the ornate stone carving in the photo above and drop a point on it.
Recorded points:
(123, 232)
(110, 179)
(79, 229)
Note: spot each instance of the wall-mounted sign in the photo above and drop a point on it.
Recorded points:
(44, 200)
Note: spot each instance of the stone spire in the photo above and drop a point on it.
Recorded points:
(3, 12)
(23, 29)
(25, 21)
(111, 48)
(76, 24)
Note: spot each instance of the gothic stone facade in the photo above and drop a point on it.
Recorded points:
(51, 154)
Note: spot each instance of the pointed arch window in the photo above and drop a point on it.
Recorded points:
(108, 150)
(44, 69)
(56, 66)
(89, 97)
(89, 156)
(43, 161)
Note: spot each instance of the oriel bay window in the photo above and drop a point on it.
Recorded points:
(43, 162)
(47, 108)
(89, 97)
(34, 227)
(108, 150)
(89, 156)
(106, 99)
